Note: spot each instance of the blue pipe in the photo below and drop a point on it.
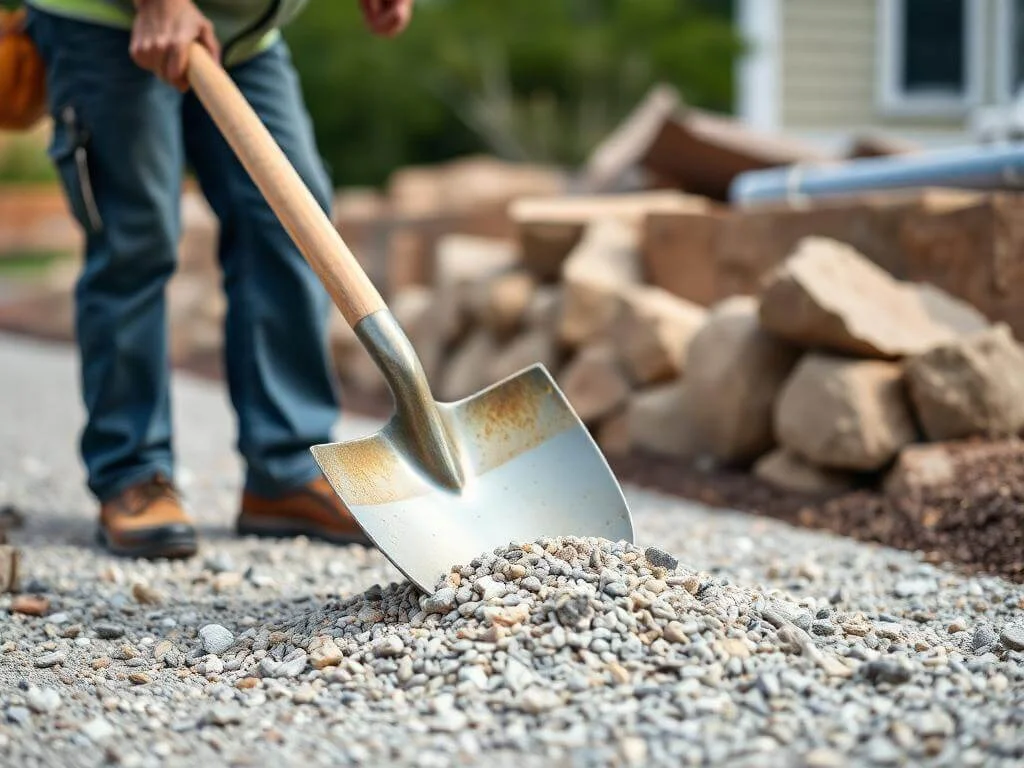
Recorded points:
(975, 167)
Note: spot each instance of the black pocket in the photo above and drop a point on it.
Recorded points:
(70, 154)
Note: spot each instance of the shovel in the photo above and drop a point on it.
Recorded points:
(440, 483)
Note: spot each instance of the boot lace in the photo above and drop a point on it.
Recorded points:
(143, 495)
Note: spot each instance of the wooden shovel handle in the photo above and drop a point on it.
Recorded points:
(290, 199)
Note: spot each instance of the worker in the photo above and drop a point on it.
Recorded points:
(125, 125)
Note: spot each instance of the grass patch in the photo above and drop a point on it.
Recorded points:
(23, 160)
(27, 265)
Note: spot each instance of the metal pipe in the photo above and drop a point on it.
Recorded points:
(994, 167)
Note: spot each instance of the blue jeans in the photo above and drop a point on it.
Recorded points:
(120, 143)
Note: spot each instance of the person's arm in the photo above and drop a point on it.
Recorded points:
(387, 17)
(162, 33)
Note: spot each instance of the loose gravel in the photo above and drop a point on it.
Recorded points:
(737, 640)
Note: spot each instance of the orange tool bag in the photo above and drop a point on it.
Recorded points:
(22, 75)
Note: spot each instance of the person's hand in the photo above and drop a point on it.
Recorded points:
(386, 17)
(162, 33)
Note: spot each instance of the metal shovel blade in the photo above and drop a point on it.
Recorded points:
(530, 470)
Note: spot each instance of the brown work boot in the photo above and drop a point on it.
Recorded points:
(147, 520)
(313, 510)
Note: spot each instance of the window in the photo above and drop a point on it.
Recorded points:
(930, 62)
(1010, 49)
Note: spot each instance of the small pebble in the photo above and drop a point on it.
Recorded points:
(660, 559)
(17, 715)
(47, 660)
(1012, 636)
(983, 637)
(43, 700)
(146, 595)
(98, 730)
(389, 646)
(30, 605)
(108, 631)
(216, 639)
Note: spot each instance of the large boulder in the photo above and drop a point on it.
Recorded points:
(920, 469)
(828, 296)
(536, 345)
(680, 253)
(613, 435)
(595, 276)
(467, 184)
(413, 308)
(464, 262)
(789, 472)
(501, 301)
(949, 311)
(653, 333)
(545, 245)
(660, 419)
(595, 383)
(844, 414)
(734, 370)
(467, 370)
(545, 307)
(752, 242)
(550, 227)
(974, 250)
(971, 386)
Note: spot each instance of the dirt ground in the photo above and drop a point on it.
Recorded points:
(975, 521)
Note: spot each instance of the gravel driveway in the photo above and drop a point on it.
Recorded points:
(763, 645)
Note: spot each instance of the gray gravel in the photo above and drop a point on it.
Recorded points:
(737, 641)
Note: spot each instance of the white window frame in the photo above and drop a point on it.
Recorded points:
(757, 72)
(1005, 18)
(893, 100)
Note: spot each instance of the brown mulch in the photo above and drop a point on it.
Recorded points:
(975, 522)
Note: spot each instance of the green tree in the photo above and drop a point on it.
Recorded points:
(534, 80)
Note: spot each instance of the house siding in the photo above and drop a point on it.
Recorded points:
(829, 55)
(827, 63)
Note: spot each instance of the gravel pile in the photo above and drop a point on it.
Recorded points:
(604, 651)
(576, 642)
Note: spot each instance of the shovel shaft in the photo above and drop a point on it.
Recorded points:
(292, 202)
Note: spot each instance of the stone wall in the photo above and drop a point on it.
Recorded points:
(810, 345)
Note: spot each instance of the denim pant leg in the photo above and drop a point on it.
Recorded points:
(117, 145)
(280, 375)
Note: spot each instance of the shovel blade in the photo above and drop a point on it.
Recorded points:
(532, 470)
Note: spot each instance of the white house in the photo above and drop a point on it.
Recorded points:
(930, 71)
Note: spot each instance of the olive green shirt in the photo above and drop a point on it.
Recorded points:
(243, 27)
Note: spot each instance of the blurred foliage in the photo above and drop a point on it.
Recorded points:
(530, 80)
(23, 159)
(29, 265)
